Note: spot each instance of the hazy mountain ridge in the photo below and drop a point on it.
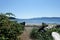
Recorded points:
(46, 18)
(40, 20)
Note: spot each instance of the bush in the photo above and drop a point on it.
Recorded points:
(9, 30)
(42, 27)
(35, 35)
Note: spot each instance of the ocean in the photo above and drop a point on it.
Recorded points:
(41, 20)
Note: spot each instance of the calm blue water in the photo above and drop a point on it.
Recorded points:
(38, 21)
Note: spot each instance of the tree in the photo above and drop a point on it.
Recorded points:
(10, 14)
(23, 23)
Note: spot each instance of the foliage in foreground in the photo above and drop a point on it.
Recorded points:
(9, 30)
(35, 35)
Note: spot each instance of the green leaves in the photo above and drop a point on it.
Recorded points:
(9, 30)
(10, 14)
(35, 35)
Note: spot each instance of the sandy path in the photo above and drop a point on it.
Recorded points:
(25, 35)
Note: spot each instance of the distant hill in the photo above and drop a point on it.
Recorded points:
(12, 18)
(39, 20)
(46, 18)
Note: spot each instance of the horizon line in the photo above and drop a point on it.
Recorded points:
(35, 17)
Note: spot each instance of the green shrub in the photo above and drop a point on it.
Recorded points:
(9, 30)
(35, 35)
(42, 27)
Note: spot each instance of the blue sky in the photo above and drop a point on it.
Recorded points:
(31, 8)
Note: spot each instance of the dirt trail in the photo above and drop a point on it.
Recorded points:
(25, 35)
